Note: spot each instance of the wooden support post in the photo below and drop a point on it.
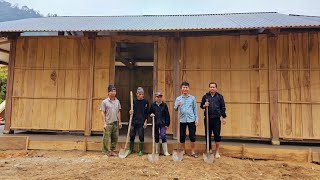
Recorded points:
(88, 122)
(243, 151)
(155, 67)
(27, 143)
(10, 77)
(112, 68)
(85, 142)
(273, 90)
(309, 155)
(176, 80)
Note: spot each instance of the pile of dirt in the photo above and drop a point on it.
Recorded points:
(94, 165)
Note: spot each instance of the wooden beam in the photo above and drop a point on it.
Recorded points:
(273, 90)
(178, 58)
(4, 51)
(112, 68)
(134, 39)
(10, 78)
(155, 68)
(125, 62)
(88, 121)
(4, 42)
(13, 142)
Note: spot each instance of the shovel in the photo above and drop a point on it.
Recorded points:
(153, 157)
(123, 152)
(208, 157)
(177, 154)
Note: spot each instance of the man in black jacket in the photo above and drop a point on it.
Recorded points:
(159, 110)
(217, 109)
(139, 120)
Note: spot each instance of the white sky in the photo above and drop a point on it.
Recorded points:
(151, 7)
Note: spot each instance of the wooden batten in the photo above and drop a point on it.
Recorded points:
(88, 122)
(273, 91)
(10, 79)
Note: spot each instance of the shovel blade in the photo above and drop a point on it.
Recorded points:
(208, 158)
(153, 157)
(123, 153)
(177, 155)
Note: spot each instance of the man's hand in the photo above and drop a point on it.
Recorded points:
(179, 103)
(120, 124)
(145, 124)
(197, 123)
(105, 126)
(224, 121)
(152, 115)
(206, 104)
(131, 112)
(166, 127)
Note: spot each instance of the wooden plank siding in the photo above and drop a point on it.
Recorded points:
(50, 83)
(52, 79)
(236, 64)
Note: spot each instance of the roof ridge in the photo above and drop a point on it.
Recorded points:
(146, 15)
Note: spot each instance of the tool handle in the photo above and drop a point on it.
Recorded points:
(130, 120)
(207, 123)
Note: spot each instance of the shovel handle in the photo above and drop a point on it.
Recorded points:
(207, 123)
(130, 120)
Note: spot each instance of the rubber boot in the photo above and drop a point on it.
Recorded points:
(141, 149)
(157, 148)
(131, 148)
(165, 149)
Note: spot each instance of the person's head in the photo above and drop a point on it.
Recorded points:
(140, 93)
(112, 91)
(158, 97)
(213, 87)
(185, 87)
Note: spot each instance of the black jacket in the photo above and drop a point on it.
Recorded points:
(141, 111)
(161, 112)
(217, 107)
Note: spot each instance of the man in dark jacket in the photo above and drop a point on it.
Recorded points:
(159, 110)
(139, 120)
(217, 109)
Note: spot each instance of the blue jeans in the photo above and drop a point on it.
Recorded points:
(162, 131)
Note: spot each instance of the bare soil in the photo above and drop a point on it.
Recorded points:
(94, 165)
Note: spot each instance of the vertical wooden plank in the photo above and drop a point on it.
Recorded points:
(10, 79)
(177, 60)
(315, 81)
(255, 86)
(264, 95)
(236, 80)
(273, 90)
(90, 85)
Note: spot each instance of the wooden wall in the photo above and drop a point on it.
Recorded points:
(239, 64)
(298, 69)
(103, 67)
(165, 74)
(50, 83)
(56, 78)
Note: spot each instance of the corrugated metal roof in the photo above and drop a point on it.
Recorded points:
(161, 22)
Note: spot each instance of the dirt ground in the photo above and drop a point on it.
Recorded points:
(94, 165)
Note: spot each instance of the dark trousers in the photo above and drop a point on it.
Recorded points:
(215, 128)
(133, 132)
(162, 131)
(192, 131)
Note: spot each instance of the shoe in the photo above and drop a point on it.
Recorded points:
(157, 148)
(131, 148)
(217, 156)
(195, 155)
(140, 148)
(165, 149)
